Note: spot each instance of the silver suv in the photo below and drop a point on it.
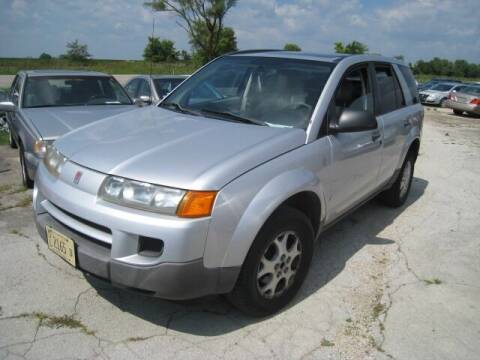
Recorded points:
(224, 187)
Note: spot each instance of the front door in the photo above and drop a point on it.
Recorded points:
(356, 156)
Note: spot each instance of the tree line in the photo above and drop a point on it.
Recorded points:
(203, 21)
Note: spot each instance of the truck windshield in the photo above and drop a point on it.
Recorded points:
(277, 92)
(43, 91)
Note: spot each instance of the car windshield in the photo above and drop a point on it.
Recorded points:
(442, 87)
(471, 90)
(260, 90)
(164, 86)
(47, 91)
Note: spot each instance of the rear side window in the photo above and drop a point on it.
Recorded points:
(390, 96)
(412, 86)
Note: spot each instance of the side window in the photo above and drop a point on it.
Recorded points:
(131, 88)
(390, 96)
(15, 90)
(144, 89)
(354, 93)
(412, 86)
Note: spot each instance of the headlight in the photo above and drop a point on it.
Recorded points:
(157, 198)
(54, 160)
(40, 147)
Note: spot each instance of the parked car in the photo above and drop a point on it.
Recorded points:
(3, 116)
(431, 83)
(466, 99)
(224, 187)
(151, 89)
(438, 94)
(45, 104)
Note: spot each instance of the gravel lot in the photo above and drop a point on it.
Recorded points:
(401, 284)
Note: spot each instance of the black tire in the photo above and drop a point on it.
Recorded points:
(458, 112)
(397, 194)
(26, 181)
(442, 103)
(246, 295)
(11, 140)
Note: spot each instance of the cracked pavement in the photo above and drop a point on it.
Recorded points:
(384, 283)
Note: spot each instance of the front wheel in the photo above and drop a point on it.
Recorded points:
(27, 182)
(276, 264)
(398, 192)
(457, 112)
(11, 140)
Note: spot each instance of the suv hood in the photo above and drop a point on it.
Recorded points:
(184, 151)
(52, 122)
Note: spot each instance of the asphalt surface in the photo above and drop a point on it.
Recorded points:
(384, 283)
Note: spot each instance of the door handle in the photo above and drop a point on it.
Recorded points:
(375, 136)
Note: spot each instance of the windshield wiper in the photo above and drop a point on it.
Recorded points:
(232, 116)
(177, 107)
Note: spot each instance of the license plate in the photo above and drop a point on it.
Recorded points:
(61, 245)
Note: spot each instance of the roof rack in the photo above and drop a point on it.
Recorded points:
(252, 51)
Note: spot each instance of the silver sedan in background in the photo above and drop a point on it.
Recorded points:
(151, 89)
(467, 99)
(43, 105)
(438, 94)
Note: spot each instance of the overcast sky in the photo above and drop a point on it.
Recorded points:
(118, 29)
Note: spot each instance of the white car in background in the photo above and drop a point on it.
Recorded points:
(438, 94)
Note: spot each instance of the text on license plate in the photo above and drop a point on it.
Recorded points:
(61, 245)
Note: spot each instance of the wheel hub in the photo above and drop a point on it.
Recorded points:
(279, 264)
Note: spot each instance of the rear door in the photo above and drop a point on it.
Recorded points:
(393, 117)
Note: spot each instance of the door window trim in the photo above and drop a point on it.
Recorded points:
(323, 131)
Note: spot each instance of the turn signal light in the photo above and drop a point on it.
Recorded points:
(196, 204)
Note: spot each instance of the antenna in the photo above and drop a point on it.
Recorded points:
(151, 57)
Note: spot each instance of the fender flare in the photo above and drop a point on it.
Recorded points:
(263, 205)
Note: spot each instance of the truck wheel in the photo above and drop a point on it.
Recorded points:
(27, 182)
(276, 264)
(398, 192)
(457, 112)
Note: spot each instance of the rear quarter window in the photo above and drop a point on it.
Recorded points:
(412, 95)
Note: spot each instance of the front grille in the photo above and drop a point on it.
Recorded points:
(423, 97)
(84, 221)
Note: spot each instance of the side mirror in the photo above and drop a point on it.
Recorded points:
(146, 100)
(7, 106)
(353, 121)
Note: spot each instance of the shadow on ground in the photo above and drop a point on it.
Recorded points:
(216, 316)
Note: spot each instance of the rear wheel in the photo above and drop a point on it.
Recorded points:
(398, 192)
(457, 112)
(27, 182)
(276, 264)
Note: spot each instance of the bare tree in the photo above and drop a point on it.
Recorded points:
(201, 19)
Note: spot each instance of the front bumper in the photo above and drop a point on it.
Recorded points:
(107, 239)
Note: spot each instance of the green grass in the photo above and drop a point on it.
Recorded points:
(433, 281)
(57, 322)
(424, 78)
(3, 138)
(326, 342)
(10, 66)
